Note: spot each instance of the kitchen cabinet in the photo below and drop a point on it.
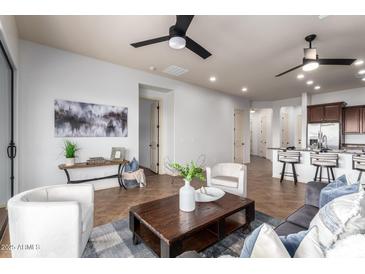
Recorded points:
(353, 118)
(325, 113)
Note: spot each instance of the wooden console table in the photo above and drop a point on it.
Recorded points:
(120, 163)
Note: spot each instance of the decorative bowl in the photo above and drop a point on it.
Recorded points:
(208, 194)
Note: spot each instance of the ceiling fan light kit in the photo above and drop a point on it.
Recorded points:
(312, 62)
(177, 38)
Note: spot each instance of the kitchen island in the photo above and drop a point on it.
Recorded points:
(305, 171)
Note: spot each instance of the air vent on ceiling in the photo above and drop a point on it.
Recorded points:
(175, 70)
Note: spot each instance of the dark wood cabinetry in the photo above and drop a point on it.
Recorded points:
(354, 119)
(325, 113)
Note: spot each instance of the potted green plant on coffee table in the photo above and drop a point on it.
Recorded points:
(187, 192)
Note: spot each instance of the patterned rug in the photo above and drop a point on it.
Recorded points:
(114, 240)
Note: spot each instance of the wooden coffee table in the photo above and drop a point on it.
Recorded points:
(168, 232)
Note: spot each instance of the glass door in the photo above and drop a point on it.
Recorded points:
(7, 146)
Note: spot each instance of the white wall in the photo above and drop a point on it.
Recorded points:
(144, 131)
(203, 118)
(9, 34)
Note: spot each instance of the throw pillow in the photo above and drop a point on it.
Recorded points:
(350, 247)
(340, 218)
(337, 188)
(303, 244)
(264, 243)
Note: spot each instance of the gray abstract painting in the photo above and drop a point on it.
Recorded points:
(76, 119)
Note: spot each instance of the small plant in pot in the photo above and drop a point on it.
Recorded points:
(187, 192)
(70, 149)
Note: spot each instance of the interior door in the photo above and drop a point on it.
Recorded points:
(239, 142)
(263, 137)
(284, 129)
(154, 145)
(7, 147)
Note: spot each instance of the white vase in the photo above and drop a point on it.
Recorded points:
(187, 197)
(70, 161)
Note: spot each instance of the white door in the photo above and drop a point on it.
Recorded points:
(5, 132)
(154, 145)
(262, 137)
(239, 144)
(284, 129)
(299, 131)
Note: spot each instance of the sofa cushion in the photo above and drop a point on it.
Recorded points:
(337, 188)
(312, 194)
(286, 228)
(226, 181)
(303, 216)
(263, 242)
(340, 218)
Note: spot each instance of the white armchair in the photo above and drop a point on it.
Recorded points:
(53, 221)
(230, 177)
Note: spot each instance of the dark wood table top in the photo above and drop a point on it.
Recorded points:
(85, 164)
(168, 222)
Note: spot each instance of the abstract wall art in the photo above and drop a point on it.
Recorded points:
(77, 119)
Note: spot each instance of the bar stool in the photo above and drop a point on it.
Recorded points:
(358, 163)
(289, 157)
(327, 160)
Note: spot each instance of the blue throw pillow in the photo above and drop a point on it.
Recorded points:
(292, 241)
(132, 166)
(337, 188)
(250, 243)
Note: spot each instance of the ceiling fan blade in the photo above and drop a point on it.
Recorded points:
(344, 62)
(150, 41)
(196, 48)
(285, 72)
(183, 22)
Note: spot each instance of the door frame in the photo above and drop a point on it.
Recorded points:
(11, 149)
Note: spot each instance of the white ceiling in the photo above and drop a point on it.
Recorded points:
(246, 50)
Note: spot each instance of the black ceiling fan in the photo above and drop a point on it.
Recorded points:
(311, 60)
(177, 37)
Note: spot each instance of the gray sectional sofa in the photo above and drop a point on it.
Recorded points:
(297, 221)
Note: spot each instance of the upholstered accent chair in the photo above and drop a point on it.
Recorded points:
(230, 177)
(53, 221)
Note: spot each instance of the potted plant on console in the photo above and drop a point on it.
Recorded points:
(70, 149)
(187, 192)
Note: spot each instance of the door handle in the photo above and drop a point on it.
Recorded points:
(8, 150)
(11, 151)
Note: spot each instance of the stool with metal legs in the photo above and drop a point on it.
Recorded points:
(324, 160)
(358, 163)
(289, 157)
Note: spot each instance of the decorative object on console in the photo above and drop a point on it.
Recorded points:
(187, 192)
(208, 194)
(76, 119)
(70, 149)
(96, 161)
(118, 153)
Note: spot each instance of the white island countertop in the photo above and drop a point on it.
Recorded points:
(305, 171)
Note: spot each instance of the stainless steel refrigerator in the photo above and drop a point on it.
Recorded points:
(330, 130)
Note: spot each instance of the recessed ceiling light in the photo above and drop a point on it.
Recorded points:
(152, 68)
(317, 87)
(252, 111)
(310, 82)
(244, 89)
(359, 62)
(212, 79)
(361, 72)
(300, 76)
(363, 79)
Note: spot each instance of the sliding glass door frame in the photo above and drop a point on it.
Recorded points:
(11, 149)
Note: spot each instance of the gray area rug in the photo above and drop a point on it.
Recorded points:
(114, 240)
